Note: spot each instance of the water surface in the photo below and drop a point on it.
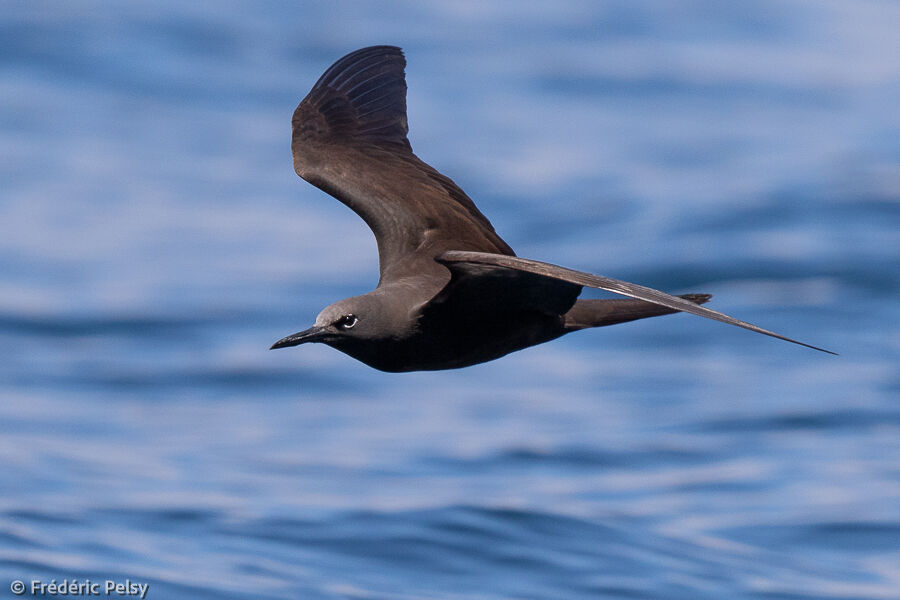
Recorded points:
(155, 242)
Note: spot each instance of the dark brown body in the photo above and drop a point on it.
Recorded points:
(477, 337)
(455, 345)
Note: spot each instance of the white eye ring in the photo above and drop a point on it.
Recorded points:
(347, 322)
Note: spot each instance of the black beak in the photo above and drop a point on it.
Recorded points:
(313, 334)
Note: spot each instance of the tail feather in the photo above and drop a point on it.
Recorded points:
(599, 313)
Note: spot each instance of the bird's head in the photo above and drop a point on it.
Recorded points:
(352, 321)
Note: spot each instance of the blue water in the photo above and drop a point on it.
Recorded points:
(154, 241)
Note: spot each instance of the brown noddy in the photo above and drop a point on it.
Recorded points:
(451, 292)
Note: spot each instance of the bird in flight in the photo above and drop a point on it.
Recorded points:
(451, 292)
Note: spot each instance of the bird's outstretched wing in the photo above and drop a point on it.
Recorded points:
(624, 288)
(349, 139)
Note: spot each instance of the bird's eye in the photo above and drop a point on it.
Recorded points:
(346, 322)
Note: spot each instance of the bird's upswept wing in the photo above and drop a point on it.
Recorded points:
(498, 261)
(349, 139)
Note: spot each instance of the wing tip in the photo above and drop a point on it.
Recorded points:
(816, 348)
(361, 97)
